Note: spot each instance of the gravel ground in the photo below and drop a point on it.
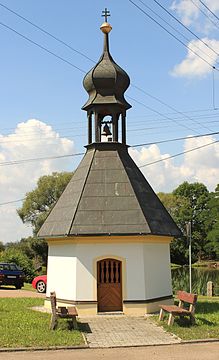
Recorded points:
(13, 293)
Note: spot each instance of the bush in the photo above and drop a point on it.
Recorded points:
(16, 256)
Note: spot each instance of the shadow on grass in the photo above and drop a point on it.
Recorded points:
(186, 323)
(207, 307)
(64, 324)
(84, 327)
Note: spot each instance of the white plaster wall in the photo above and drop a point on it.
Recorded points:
(157, 270)
(133, 277)
(61, 271)
(72, 269)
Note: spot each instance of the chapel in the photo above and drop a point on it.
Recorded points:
(108, 233)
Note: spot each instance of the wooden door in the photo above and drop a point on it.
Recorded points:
(109, 285)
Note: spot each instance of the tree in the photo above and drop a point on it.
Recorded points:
(38, 202)
(177, 206)
(213, 222)
(197, 212)
(2, 247)
(35, 249)
(14, 255)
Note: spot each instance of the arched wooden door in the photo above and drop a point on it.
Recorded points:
(109, 285)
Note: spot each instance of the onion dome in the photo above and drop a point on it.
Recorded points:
(106, 82)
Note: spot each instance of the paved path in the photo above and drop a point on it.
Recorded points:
(113, 331)
(200, 351)
(13, 293)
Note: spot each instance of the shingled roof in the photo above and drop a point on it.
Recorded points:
(108, 195)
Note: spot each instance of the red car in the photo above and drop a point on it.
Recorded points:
(39, 283)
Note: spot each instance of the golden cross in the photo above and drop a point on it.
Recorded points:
(105, 13)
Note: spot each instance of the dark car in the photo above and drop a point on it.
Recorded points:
(11, 274)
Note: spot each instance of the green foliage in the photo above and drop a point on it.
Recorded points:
(200, 277)
(20, 326)
(39, 201)
(35, 249)
(190, 202)
(15, 255)
(2, 247)
(213, 223)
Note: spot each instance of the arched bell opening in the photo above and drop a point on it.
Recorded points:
(107, 127)
(109, 285)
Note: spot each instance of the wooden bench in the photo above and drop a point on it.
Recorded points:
(61, 312)
(180, 310)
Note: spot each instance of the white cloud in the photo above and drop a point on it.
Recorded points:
(190, 12)
(193, 14)
(197, 166)
(186, 10)
(194, 66)
(31, 139)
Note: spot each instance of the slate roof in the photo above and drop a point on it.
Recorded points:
(108, 195)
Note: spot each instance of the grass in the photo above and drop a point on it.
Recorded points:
(209, 263)
(20, 326)
(207, 321)
(28, 287)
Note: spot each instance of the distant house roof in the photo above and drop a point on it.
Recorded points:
(108, 195)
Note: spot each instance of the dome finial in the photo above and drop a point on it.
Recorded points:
(106, 27)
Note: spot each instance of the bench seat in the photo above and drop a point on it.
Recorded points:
(62, 312)
(180, 310)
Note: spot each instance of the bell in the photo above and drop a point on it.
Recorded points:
(106, 130)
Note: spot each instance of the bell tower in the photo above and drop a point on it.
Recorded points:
(106, 84)
(109, 228)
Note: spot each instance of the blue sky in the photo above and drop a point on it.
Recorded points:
(36, 85)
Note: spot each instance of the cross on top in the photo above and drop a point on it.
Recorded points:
(105, 13)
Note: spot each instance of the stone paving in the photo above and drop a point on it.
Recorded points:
(116, 331)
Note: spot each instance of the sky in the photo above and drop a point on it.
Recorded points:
(174, 91)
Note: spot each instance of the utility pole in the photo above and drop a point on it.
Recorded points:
(189, 236)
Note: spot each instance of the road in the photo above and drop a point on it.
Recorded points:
(6, 292)
(201, 351)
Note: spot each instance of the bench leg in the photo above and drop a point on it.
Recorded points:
(75, 324)
(171, 319)
(161, 316)
(192, 319)
(53, 322)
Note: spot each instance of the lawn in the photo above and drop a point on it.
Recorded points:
(20, 326)
(28, 287)
(207, 321)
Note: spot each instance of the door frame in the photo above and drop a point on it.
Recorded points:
(124, 277)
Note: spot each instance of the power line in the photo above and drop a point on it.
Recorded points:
(18, 162)
(11, 202)
(209, 10)
(136, 117)
(47, 33)
(29, 132)
(176, 139)
(53, 140)
(148, 164)
(42, 47)
(175, 37)
(178, 154)
(82, 54)
(180, 22)
(157, 112)
(204, 13)
(68, 62)
(173, 28)
(170, 107)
